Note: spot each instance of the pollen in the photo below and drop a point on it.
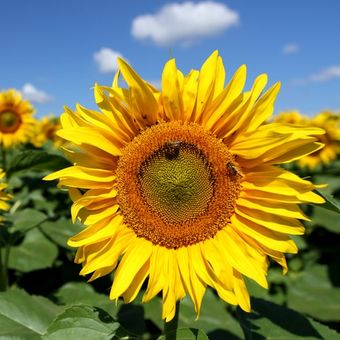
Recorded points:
(174, 185)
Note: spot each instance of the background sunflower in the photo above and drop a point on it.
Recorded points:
(16, 119)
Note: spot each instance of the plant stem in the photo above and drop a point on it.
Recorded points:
(171, 326)
(3, 274)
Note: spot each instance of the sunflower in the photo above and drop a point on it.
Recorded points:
(45, 130)
(16, 121)
(289, 117)
(178, 188)
(331, 139)
(3, 196)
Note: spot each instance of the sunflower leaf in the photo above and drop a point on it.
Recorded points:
(23, 316)
(326, 218)
(60, 230)
(36, 160)
(315, 292)
(26, 219)
(35, 252)
(74, 293)
(279, 322)
(82, 322)
(331, 203)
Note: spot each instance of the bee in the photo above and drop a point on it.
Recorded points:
(233, 170)
(171, 149)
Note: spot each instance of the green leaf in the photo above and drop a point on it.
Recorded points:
(312, 292)
(26, 219)
(35, 160)
(271, 321)
(331, 203)
(333, 183)
(82, 322)
(35, 252)
(82, 292)
(60, 231)
(328, 219)
(23, 316)
(185, 334)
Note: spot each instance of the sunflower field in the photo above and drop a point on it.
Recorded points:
(192, 212)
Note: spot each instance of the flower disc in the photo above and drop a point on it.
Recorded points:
(9, 121)
(175, 187)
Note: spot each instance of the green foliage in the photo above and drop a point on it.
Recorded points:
(270, 321)
(313, 292)
(82, 322)
(34, 160)
(34, 252)
(331, 203)
(26, 219)
(59, 231)
(24, 316)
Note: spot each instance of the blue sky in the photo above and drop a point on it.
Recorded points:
(54, 51)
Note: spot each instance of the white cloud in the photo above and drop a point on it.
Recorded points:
(34, 95)
(324, 75)
(184, 22)
(290, 48)
(106, 60)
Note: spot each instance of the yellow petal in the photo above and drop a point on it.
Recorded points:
(97, 232)
(189, 94)
(137, 254)
(144, 97)
(269, 238)
(93, 137)
(275, 208)
(277, 223)
(206, 84)
(218, 111)
(171, 93)
(241, 291)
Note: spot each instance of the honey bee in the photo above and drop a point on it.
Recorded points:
(233, 170)
(172, 149)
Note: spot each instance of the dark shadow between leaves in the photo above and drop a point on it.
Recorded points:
(131, 318)
(103, 316)
(219, 334)
(284, 318)
(334, 274)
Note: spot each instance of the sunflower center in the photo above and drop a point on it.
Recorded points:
(177, 184)
(9, 121)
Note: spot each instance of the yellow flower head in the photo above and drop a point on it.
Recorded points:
(4, 197)
(45, 130)
(331, 139)
(180, 186)
(16, 120)
(290, 117)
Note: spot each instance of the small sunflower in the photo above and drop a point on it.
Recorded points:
(4, 197)
(180, 187)
(331, 139)
(45, 130)
(290, 117)
(16, 120)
